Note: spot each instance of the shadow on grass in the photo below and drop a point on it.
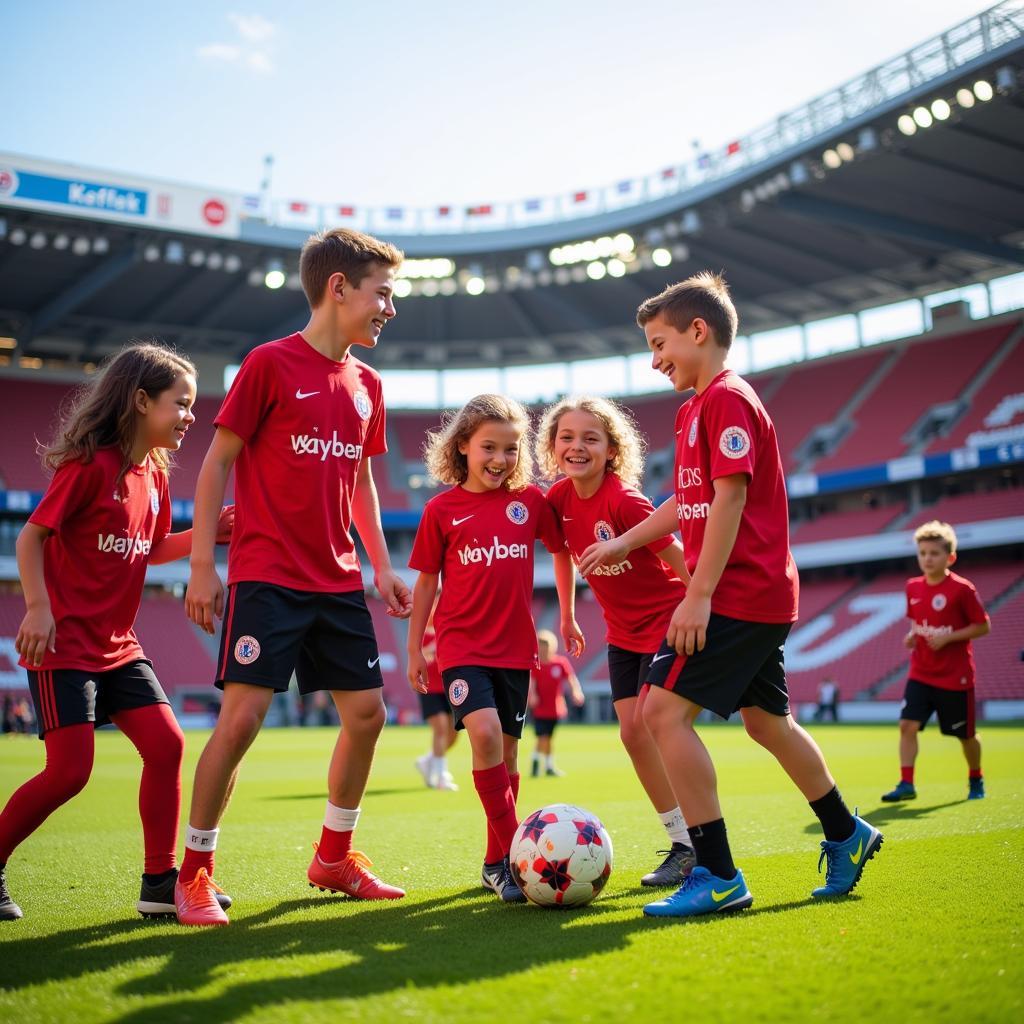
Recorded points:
(884, 814)
(366, 949)
(321, 795)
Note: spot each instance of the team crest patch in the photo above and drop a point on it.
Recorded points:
(692, 439)
(517, 512)
(734, 442)
(361, 400)
(247, 650)
(939, 602)
(458, 691)
(602, 531)
(154, 501)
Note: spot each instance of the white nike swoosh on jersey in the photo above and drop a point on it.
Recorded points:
(662, 657)
(305, 394)
(521, 718)
(455, 522)
(566, 519)
(915, 600)
(370, 664)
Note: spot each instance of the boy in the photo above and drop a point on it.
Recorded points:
(946, 615)
(724, 645)
(547, 701)
(302, 418)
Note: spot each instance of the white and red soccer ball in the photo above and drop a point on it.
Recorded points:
(561, 856)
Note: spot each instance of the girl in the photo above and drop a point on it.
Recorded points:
(547, 702)
(433, 765)
(82, 558)
(479, 536)
(593, 443)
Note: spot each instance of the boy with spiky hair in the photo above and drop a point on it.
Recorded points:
(302, 420)
(945, 614)
(724, 645)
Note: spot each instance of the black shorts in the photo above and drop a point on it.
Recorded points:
(741, 666)
(327, 640)
(433, 704)
(472, 687)
(955, 708)
(71, 696)
(627, 671)
(544, 727)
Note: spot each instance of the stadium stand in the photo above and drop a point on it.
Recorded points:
(973, 508)
(857, 523)
(173, 644)
(998, 656)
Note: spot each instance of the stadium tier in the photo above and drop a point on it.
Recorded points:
(858, 523)
(973, 508)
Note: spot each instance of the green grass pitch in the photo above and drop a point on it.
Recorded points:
(933, 932)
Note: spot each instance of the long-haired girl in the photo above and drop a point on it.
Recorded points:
(594, 444)
(479, 537)
(82, 559)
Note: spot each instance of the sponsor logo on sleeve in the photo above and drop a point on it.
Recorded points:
(247, 650)
(364, 407)
(939, 602)
(517, 512)
(734, 442)
(458, 691)
(603, 531)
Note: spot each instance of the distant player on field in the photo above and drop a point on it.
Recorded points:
(946, 614)
(300, 423)
(596, 449)
(724, 645)
(478, 537)
(547, 699)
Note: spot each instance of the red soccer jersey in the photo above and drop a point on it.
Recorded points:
(549, 679)
(639, 594)
(307, 422)
(934, 610)
(722, 431)
(95, 560)
(435, 684)
(482, 545)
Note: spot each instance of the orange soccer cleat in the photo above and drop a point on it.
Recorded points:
(352, 876)
(196, 903)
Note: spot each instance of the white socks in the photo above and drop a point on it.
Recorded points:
(675, 826)
(340, 819)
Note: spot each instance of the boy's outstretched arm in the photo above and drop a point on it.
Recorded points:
(179, 545)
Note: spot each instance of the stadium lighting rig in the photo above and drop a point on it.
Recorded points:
(941, 109)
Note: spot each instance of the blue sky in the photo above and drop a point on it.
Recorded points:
(417, 103)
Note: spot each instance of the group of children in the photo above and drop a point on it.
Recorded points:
(691, 625)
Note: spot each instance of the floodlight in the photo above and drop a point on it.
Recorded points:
(403, 286)
(474, 286)
(941, 109)
(80, 246)
(37, 241)
(661, 257)
(596, 270)
(274, 276)
(616, 268)
(831, 159)
(906, 124)
(845, 151)
(983, 90)
(965, 98)
(922, 117)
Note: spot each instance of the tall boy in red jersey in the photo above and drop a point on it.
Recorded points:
(724, 644)
(945, 615)
(302, 419)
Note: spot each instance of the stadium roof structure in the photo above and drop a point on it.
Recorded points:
(904, 181)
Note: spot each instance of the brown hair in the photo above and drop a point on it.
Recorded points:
(704, 295)
(936, 530)
(628, 461)
(101, 413)
(441, 452)
(344, 251)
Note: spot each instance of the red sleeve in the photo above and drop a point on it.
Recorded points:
(906, 594)
(73, 487)
(163, 518)
(375, 442)
(973, 608)
(732, 432)
(250, 397)
(549, 529)
(634, 508)
(428, 547)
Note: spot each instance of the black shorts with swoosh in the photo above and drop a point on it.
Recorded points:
(327, 640)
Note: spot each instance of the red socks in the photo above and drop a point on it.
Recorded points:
(907, 773)
(159, 740)
(974, 773)
(495, 789)
(69, 757)
(334, 846)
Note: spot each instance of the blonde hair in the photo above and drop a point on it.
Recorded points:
(936, 530)
(102, 412)
(448, 465)
(628, 461)
(545, 636)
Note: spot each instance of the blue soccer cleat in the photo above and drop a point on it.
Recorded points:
(903, 791)
(845, 861)
(976, 789)
(703, 893)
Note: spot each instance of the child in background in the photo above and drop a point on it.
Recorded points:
(596, 448)
(479, 536)
(945, 615)
(82, 558)
(433, 765)
(547, 699)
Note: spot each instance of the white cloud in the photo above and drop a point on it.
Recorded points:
(253, 48)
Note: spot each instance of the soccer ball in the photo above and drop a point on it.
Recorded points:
(561, 856)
